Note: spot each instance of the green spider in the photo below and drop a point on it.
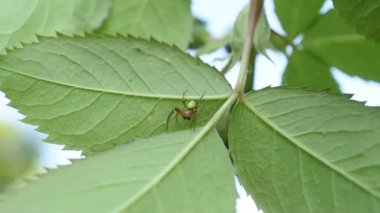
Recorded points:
(189, 112)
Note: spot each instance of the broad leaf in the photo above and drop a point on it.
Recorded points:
(297, 15)
(339, 45)
(165, 20)
(277, 42)
(199, 36)
(159, 174)
(18, 154)
(364, 15)
(307, 151)
(20, 20)
(305, 69)
(261, 37)
(91, 93)
(212, 45)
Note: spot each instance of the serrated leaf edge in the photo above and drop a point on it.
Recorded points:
(84, 35)
(305, 149)
(181, 156)
(94, 36)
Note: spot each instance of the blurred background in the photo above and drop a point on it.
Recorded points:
(23, 154)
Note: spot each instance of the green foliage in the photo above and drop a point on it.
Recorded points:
(20, 20)
(277, 42)
(304, 151)
(165, 20)
(18, 154)
(238, 33)
(260, 40)
(93, 92)
(110, 95)
(304, 68)
(200, 36)
(339, 45)
(297, 15)
(328, 43)
(364, 15)
(143, 176)
(212, 45)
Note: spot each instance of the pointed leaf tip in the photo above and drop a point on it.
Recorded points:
(93, 91)
(298, 149)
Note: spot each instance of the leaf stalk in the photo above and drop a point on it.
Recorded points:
(254, 14)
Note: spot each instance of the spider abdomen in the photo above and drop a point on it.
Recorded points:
(188, 115)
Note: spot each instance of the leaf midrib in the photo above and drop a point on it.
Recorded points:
(139, 16)
(166, 171)
(308, 151)
(159, 96)
(337, 39)
(195, 141)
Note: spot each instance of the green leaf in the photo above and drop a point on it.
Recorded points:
(278, 42)
(165, 20)
(223, 125)
(364, 15)
(91, 93)
(297, 15)
(261, 40)
(213, 45)
(238, 33)
(261, 36)
(307, 151)
(339, 45)
(305, 69)
(20, 20)
(149, 175)
(200, 36)
(15, 142)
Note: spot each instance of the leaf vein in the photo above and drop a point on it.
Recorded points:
(310, 152)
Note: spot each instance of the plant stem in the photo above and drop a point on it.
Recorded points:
(227, 67)
(285, 39)
(255, 10)
(251, 72)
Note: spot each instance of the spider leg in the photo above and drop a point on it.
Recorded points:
(168, 119)
(194, 120)
(195, 115)
(183, 98)
(200, 99)
(177, 112)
